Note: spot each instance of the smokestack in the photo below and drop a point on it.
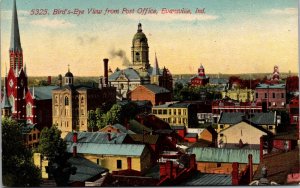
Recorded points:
(250, 167)
(235, 173)
(49, 80)
(129, 163)
(105, 61)
(74, 151)
(75, 137)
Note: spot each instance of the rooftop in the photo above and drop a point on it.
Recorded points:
(107, 149)
(155, 88)
(85, 169)
(224, 155)
(201, 179)
(272, 86)
(43, 93)
(97, 137)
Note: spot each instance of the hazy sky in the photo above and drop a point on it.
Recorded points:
(232, 36)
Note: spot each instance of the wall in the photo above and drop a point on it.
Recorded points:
(224, 168)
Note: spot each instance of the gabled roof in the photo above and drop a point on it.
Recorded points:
(224, 155)
(122, 129)
(42, 93)
(107, 149)
(149, 139)
(85, 169)
(155, 88)
(138, 128)
(130, 74)
(231, 117)
(201, 179)
(97, 137)
(261, 118)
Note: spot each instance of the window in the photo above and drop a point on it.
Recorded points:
(164, 111)
(82, 100)
(218, 164)
(274, 103)
(266, 95)
(273, 95)
(30, 137)
(282, 95)
(66, 101)
(221, 126)
(174, 111)
(159, 112)
(56, 99)
(28, 110)
(98, 161)
(137, 56)
(154, 111)
(179, 111)
(119, 164)
(270, 127)
(34, 136)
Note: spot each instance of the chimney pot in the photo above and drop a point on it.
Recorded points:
(105, 61)
(109, 136)
(75, 137)
(129, 163)
(250, 167)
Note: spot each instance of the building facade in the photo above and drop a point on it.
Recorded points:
(242, 95)
(71, 103)
(273, 96)
(201, 79)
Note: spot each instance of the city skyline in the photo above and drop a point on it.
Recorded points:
(254, 35)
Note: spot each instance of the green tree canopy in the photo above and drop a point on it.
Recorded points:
(17, 163)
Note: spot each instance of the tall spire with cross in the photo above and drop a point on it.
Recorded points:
(15, 50)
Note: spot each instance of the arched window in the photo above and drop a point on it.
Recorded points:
(28, 110)
(137, 56)
(12, 102)
(66, 101)
(82, 100)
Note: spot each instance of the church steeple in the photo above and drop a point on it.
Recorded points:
(15, 50)
(155, 70)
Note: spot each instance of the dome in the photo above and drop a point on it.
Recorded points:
(68, 74)
(139, 35)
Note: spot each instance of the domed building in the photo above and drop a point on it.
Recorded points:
(139, 72)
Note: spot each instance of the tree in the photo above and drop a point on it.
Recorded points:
(51, 144)
(113, 115)
(92, 120)
(53, 147)
(18, 169)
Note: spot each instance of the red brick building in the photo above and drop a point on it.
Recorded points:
(273, 96)
(201, 79)
(294, 110)
(156, 94)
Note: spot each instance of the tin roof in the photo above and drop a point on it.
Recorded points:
(107, 149)
(85, 169)
(97, 137)
(261, 118)
(130, 74)
(224, 155)
(42, 93)
(273, 86)
(155, 88)
(201, 179)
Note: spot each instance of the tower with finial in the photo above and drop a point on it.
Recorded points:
(276, 75)
(69, 78)
(16, 80)
(140, 50)
(155, 72)
(201, 79)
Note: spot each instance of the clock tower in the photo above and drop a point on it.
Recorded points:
(16, 79)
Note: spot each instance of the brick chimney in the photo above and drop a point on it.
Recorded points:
(75, 137)
(129, 163)
(250, 161)
(193, 164)
(169, 169)
(261, 148)
(74, 151)
(235, 173)
(49, 80)
(105, 61)
(109, 135)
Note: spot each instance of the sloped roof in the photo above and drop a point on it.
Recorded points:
(218, 81)
(15, 42)
(201, 179)
(137, 127)
(122, 129)
(85, 169)
(155, 88)
(149, 139)
(268, 118)
(97, 137)
(231, 117)
(224, 155)
(107, 149)
(191, 135)
(43, 92)
(130, 73)
(261, 118)
(272, 86)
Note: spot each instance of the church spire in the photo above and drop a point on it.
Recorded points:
(15, 43)
(139, 27)
(155, 68)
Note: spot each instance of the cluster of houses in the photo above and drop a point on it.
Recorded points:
(245, 137)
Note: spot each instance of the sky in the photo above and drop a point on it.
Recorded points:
(230, 37)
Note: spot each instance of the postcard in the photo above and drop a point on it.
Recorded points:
(149, 93)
